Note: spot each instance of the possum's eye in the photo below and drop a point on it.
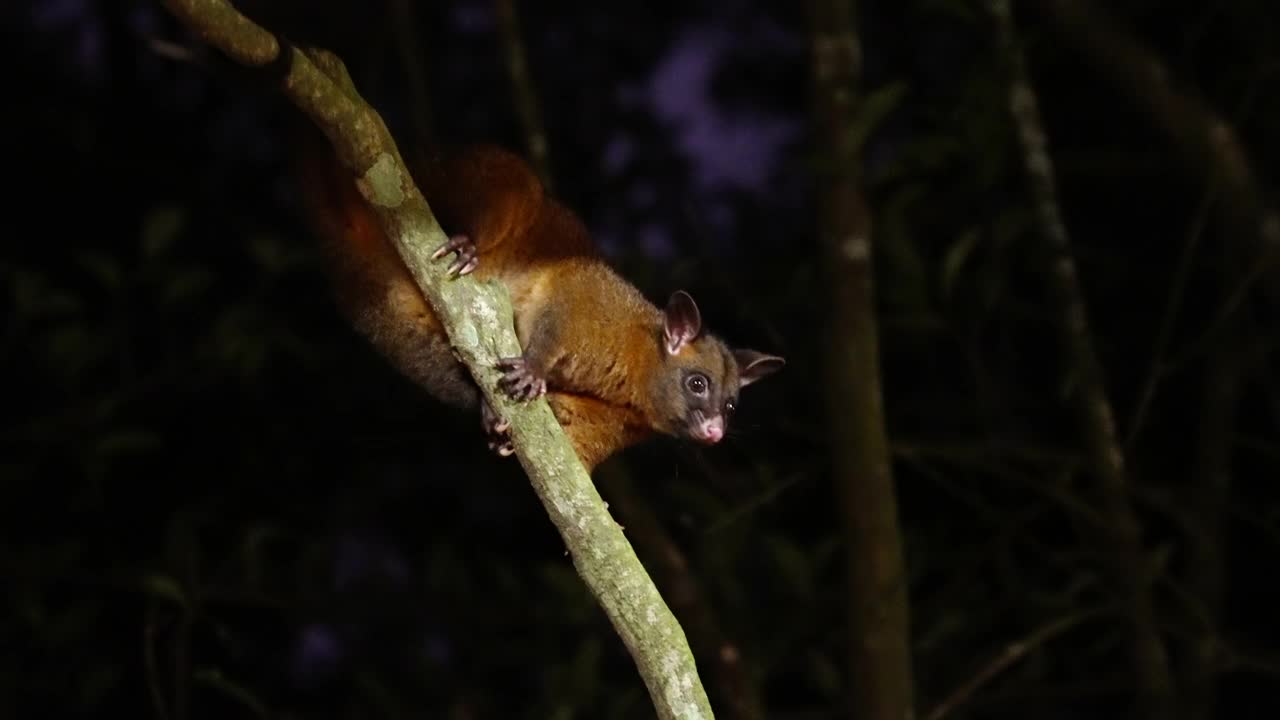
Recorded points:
(697, 384)
(729, 407)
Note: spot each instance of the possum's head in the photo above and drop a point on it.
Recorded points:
(696, 388)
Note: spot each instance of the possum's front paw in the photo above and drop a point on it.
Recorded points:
(496, 430)
(519, 380)
(467, 256)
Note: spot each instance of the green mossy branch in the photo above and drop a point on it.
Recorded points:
(478, 320)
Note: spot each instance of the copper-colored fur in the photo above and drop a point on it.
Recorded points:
(593, 337)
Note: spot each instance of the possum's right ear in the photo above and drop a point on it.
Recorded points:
(682, 323)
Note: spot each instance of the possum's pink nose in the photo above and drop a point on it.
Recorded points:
(711, 430)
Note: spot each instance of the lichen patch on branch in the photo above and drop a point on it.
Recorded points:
(380, 184)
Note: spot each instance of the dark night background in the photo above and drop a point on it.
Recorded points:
(217, 501)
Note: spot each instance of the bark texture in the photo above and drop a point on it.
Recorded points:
(879, 662)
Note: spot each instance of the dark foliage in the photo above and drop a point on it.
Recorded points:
(216, 501)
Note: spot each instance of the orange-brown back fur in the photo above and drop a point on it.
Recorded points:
(594, 335)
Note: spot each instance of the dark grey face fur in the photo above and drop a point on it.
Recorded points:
(707, 375)
(710, 393)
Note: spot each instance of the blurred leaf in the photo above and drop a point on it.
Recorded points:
(905, 283)
(983, 126)
(445, 571)
(922, 156)
(963, 10)
(792, 564)
(826, 675)
(68, 624)
(273, 254)
(631, 702)
(508, 581)
(182, 285)
(214, 679)
(241, 339)
(72, 350)
(34, 296)
(941, 629)
(827, 551)
(873, 108)
(160, 228)
(573, 601)
(164, 588)
(692, 499)
(718, 560)
(1010, 224)
(383, 698)
(1008, 227)
(1157, 562)
(127, 441)
(28, 604)
(956, 257)
(96, 682)
(107, 270)
(252, 550)
(584, 672)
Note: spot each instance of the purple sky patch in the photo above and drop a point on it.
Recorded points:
(727, 150)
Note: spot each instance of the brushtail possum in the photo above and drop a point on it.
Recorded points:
(615, 368)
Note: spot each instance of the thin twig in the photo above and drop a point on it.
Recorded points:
(1012, 653)
(182, 666)
(1095, 416)
(404, 25)
(526, 97)
(1168, 319)
(150, 629)
(1202, 138)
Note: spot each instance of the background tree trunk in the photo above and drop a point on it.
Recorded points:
(879, 662)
